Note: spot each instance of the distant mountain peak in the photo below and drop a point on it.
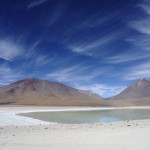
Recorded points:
(142, 80)
(145, 79)
(31, 78)
(139, 89)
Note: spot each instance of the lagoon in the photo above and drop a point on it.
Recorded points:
(90, 116)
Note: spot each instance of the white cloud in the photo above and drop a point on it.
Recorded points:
(142, 25)
(75, 77)
(8, 75)
(127, 57)
(92, 44)
(74, 74)
(36, 3)
(90, 47)
(85, 47)
(35, 57)
(102, 89)
(9, 50)
(58, 12)
(89, 23)
(145, 6)
(137, 72)
(141, 42)
(42, 60)
(5, 70)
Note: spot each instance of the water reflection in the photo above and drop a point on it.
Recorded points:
(96, 116)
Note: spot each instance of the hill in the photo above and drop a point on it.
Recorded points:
(32, 91)
(137, 93)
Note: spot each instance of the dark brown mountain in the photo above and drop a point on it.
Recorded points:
(137, 93)
(33, 91)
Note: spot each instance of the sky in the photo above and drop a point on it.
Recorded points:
(100, 45)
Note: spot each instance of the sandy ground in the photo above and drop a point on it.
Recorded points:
(22, 133)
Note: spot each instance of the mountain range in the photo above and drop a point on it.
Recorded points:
(32, 91)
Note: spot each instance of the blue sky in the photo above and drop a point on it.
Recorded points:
(99, 45)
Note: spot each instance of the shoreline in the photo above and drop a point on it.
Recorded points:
(9, 116)
(25, 133)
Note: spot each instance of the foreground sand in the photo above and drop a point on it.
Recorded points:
(36, 135)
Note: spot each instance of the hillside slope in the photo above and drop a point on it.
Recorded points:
(33, 91)
(137, 93)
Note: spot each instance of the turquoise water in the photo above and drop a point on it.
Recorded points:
(94, 116)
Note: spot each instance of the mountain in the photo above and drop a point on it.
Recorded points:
(137, 93)
(34, 91)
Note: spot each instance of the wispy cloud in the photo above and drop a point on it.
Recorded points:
(8, 75)
(36, 3)
(139, 71)
(142, 42)
(75, 74)
(127, 57)
(91, 47)
(9, 49)
(94, 38)
(87, 48)
(142, 26)
(102, 89)
(4, 70)
(89, 23)
(58, 12)
(35, 57)
(42, 60)
(145, 5)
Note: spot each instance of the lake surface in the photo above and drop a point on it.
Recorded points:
(93, 116)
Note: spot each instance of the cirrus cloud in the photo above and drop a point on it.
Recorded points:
(36, 3)
(102, 89)
(9, 49)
